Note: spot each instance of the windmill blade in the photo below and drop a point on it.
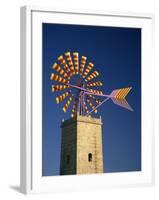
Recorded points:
(70, 62)
(82, 65)
(58, 78)
(94, 91)
(59, 87)
(91, 104)
(76, 63)
(60, 98)
(65, 66)
(94, 84)
(92, 76)
(88, 69)
(86, 108)
(118, 97)
(60, 70)
(74, 107)
(63, 63)
(67, 104)
(95, 99)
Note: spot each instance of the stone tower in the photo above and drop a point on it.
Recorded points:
(81, 146)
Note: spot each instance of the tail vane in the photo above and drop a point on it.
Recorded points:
(123, 103)
(118, 97)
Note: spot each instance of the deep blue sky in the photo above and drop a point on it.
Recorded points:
(116, 53)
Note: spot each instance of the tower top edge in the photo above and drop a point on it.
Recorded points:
(80, 118)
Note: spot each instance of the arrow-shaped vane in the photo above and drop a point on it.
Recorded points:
(118, 97)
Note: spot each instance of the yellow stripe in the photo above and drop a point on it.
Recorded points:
(125, 93)
(128, 90)
(64, 109)
(57, 100)
(70, 62)
(120, 93)
(60, 58)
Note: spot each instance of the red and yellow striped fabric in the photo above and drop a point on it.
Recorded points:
(76, 62)
(62, 97)
(121, 93)
(63, 63)
(92, 76)
(97, 83)
(66, 106)
(88, 69)
(56, 77)
(59, 87)
(70, 62)
(59, 69)
(82, 65)
(65, 66)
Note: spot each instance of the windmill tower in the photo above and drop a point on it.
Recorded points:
(81, 139)
(81, 147)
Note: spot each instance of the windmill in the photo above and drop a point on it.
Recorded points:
(78, 83)
(78, 89)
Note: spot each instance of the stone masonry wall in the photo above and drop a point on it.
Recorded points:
(89, 141)
(81, 136)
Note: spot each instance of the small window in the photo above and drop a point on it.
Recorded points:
(68, 159)
(89, 157)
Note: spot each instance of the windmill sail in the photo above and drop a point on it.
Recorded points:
(78, 84)
(88, 69)
(70, 62)
(82, 65)
(76, 63)
(56, 88)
